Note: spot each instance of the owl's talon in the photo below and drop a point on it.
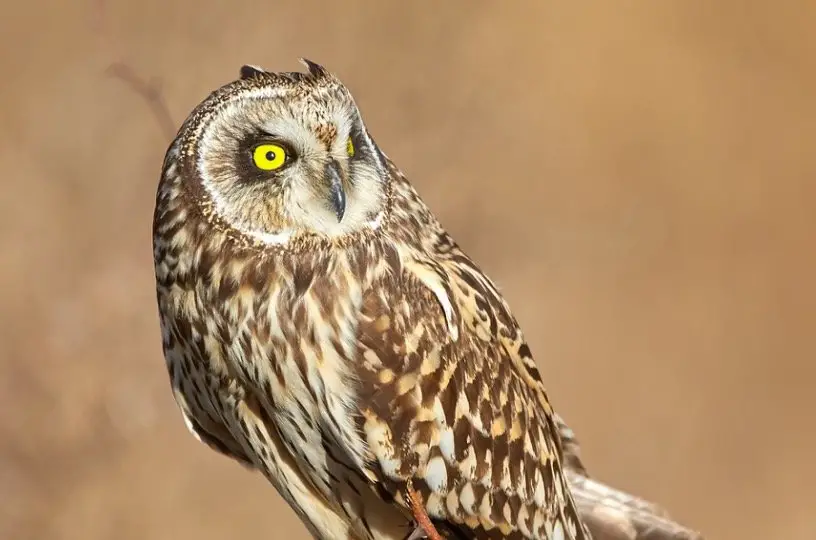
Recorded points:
(417, 534)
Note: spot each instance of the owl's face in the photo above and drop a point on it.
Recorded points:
(280, 156)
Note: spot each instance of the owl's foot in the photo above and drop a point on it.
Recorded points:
(424, 527)
(418, 533)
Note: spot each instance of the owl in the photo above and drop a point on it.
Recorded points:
(321, 327)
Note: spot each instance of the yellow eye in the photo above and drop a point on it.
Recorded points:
(269, 157)
(350, 147)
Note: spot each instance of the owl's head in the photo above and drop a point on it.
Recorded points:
(277, 156)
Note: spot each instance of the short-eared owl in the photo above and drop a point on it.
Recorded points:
(320, 326)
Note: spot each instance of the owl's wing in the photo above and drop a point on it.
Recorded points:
(609, 513)
(200, 419)
(217, 438)
(572, 449)
(452, 401)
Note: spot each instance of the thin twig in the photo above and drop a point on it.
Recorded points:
(150, 91)
(420, 514)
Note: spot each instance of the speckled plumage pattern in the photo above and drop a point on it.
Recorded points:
(344, 358)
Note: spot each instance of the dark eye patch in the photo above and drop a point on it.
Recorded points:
(243, 157)
(361, 147)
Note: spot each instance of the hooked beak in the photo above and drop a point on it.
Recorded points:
(338, 195)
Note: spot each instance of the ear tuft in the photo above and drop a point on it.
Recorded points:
(249, 72)
(315, 70)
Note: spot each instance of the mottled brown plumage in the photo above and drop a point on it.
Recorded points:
(320, 326)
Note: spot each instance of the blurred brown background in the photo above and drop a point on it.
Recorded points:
(639, 177)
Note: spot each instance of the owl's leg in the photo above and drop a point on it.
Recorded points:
(424, 526)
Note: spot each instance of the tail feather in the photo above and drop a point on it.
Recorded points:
(611, 514)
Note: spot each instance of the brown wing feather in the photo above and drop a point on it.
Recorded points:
(453, 401)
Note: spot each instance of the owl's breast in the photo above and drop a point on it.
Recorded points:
(294, 342)
(282, 331)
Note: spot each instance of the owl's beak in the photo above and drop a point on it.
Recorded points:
(338, 194)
